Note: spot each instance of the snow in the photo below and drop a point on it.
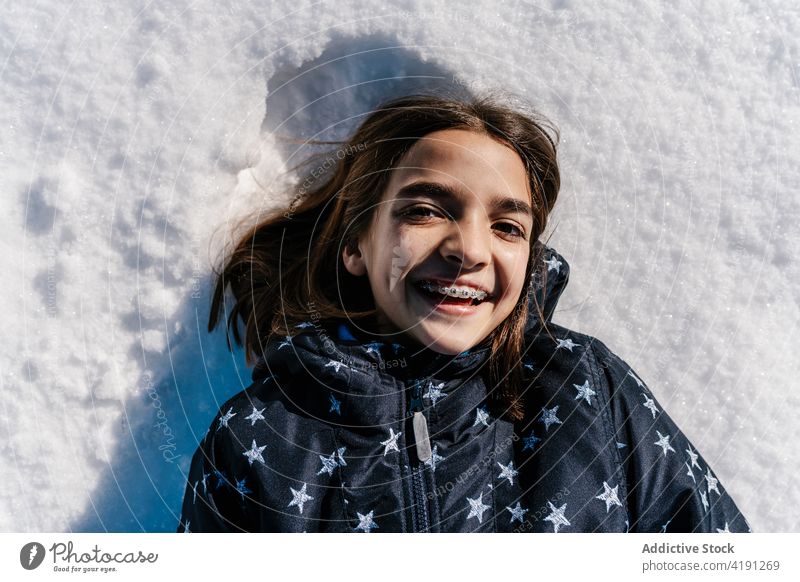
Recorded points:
(135, 134)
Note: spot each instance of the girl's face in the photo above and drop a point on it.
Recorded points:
(455, 218)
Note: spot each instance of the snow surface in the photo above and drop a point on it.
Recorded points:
(132, 132)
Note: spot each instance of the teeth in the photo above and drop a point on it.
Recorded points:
(463, 292)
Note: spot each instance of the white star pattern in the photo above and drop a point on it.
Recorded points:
(609, 495)
(689, 472)
(329, 464)
(435, 458)
(556, 516)
(241, 487)
(638, 382)
(704, 499)
(693, 456)
(549, 417)
(726, 530)
(390, 444)
(530, 441)
(336, 405)
(481, 417)
(340, 455)
(255, 453)
(286, 342)
(477, 508)
(299, 497)
(335, 364)
(508, 472)
(435, 393)
(222, 479)
(712, 482)
(566, 343)
(194, 490)
(553, 264)
(650, 403)
(517, 513)
(585, 392)
(366, 522)
(255, 415)
(663, 442)
(186, 529)
(223, 420)
(373, 348)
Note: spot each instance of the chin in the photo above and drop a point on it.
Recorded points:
(451, 347)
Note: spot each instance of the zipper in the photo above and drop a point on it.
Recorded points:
(418, 484)
(423, 446)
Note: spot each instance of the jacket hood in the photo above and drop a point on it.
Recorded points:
(344, 343)
(549, 282)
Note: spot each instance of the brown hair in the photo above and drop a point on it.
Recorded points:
(289, 264)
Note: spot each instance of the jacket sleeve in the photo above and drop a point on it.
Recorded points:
(670, 486)
(218, 495)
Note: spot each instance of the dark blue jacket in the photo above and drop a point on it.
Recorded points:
(323, 440)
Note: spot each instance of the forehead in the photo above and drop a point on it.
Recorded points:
(470, 160)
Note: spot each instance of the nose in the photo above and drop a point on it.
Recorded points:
(468, 243)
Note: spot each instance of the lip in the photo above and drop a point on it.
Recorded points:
(445, 308)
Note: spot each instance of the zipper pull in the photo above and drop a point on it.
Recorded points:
(420, 425)
(421, 437)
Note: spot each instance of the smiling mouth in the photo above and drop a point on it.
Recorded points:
(450, 295)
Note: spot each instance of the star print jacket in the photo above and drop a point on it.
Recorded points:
(339, 435)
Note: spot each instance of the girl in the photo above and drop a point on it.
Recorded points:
(408, 377)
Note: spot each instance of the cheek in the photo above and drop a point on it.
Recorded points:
(408, 249)
(400, 262)
(399, 251)
(403, 250)
(511, 267)
(376, 250)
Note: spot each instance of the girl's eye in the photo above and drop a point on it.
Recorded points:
(514, 230)
(420, 212)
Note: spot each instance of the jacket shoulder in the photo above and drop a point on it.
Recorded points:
(672, 486)
(253, 452)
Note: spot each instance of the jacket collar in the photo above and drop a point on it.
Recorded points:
(335, 374)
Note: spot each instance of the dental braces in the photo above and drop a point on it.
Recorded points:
(454, 292)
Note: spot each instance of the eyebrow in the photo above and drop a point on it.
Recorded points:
(446, 192)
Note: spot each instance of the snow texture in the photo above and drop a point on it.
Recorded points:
(136, 133)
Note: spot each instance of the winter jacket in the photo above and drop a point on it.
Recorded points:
(324, 440)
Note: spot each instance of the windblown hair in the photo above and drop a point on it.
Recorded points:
(288, 266)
